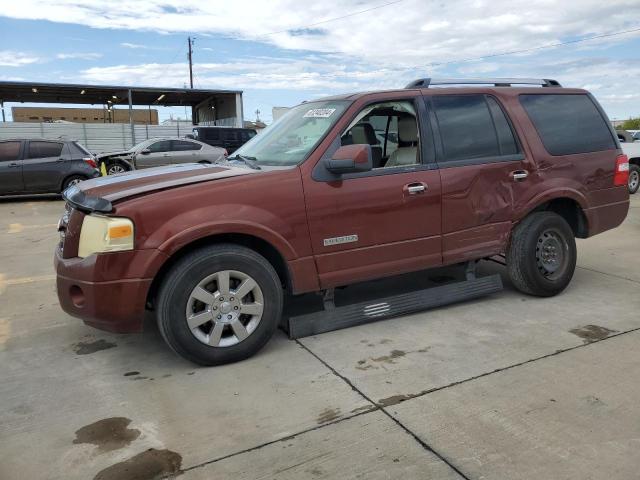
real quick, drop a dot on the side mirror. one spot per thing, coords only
(146, 151)
(350, 159)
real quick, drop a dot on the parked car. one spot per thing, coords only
(157, 152)
(632, 151)
(43, 166)
(625, 136)
(212, 251)
(224, 137)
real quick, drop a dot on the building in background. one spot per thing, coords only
(83, 115)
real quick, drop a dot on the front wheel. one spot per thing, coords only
(634, 178)
(542, 255)
(113, 168)
(219, 304)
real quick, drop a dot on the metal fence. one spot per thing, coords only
(97, 137)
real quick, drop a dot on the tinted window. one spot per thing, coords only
(161, 146)
(506, 140)
(211, 134)
(568, 124)
(77, 151)
(466, 127)
(182, 146)
(9, 151)
(44, 149)
(229, 135)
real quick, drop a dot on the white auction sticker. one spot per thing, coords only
(319, 113)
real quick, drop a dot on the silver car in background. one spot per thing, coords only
(156, 152)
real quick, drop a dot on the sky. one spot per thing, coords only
(281, 52)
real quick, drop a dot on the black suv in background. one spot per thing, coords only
(43, 166)
(225, 137)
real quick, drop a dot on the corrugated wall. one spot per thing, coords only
(96, 137)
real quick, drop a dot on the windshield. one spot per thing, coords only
(292, 137)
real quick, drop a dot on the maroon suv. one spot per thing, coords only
(342, 190)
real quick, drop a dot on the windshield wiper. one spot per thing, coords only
(250, 161)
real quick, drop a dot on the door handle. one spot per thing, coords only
(13, 164)
(519, 175)
(415, 188)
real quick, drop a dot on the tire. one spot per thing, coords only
(116, 167)
(634, 178)
(542, 255)
(204, 267)
(72, 180)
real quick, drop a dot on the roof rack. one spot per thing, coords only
(498, 82)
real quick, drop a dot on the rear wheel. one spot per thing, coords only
(634, 178)
(542, 256)
(219, 304)
(72, 180)
(116, 167)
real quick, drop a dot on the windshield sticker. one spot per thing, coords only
(319, 113)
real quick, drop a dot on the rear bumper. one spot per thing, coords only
(114, 305)
(606, 217)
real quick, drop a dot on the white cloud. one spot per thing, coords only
(79, 56)
(133, 45)
(9, 58)
(412, 32)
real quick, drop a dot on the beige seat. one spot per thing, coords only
(408, 135)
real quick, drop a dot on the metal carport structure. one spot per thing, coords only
(207, 106)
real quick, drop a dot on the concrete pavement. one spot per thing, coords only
(508, 386)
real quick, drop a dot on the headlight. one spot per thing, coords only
(105, 234)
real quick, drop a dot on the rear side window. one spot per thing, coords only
(44, 149)
(211, 134)
(230, 135)
(9, 151)
(472, 127)
(568, 124)
(182, 146)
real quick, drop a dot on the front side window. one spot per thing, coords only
(290, 139)
(9, 151)
(44, 149)
(568, 124)
(391, 129)
(161, 146)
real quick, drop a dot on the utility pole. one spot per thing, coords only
(190, 55)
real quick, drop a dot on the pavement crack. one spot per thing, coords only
(418, 440)
(608, 274)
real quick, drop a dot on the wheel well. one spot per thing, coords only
(571, 211)
(256, 244)
(64, 180)
(635, 161)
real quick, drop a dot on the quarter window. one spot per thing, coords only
(9, 151)
(568, 124)
(44, 149)
(472, 127)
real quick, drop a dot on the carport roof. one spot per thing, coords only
(33, 92)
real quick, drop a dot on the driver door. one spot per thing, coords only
(388, 220)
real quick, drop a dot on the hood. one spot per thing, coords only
(113, 154)
(96, 195)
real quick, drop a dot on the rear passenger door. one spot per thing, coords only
(483, 171)
(44, 167)
(184, 151)
(11, 167)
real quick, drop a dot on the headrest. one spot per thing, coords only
(407, 129)
(364, 133)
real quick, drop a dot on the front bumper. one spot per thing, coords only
(112, 305)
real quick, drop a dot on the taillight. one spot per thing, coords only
(91, 162)
(621, 174)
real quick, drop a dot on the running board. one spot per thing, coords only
(387, 307)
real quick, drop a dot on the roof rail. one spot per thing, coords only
(498, 82)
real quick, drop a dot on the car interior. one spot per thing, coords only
(391, 129)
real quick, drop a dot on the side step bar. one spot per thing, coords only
(366, 312)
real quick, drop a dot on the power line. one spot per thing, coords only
(532, 49)
(322, 22)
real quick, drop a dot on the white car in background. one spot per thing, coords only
(632, 151)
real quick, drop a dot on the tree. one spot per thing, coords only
(631, 124)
